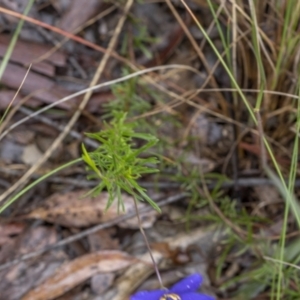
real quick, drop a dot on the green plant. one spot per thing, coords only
(117, 162)
(128, 99)
(118, 165)
(140, 40)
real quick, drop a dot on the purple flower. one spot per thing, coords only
(182, 290)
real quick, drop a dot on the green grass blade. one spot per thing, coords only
(14, 39)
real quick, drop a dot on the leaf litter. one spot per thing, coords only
(73, 209)
(78, 270)
(103, 257)
(19, 279)
(205, 141)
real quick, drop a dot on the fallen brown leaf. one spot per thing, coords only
(103, 240)
(72, 273)
(41, 87)
(23, 56)
(74, 210)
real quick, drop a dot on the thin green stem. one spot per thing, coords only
(14, 39)
(147, 243)
(291, 184)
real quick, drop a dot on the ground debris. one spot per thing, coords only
(73, 209)
(19, 279)
(72, 273)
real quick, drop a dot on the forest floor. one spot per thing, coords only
(212, 86)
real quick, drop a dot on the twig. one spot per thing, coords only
(6, 118)
(241, 182)
(211, 184)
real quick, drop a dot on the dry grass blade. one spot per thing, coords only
(4, 121)
(197, 50)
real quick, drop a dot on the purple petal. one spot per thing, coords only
(147, 295)
(188, 284)
(195, 296)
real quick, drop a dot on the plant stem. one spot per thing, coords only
(147, 244)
